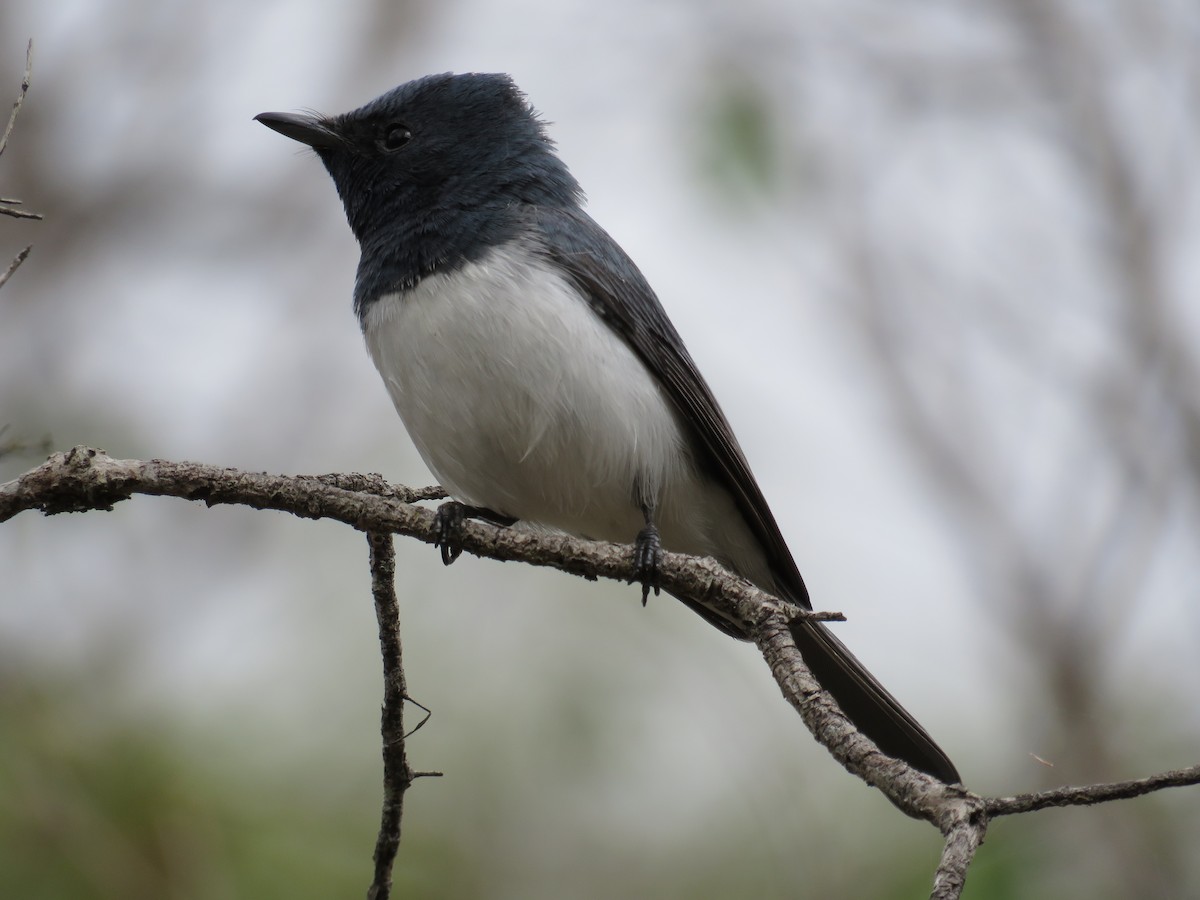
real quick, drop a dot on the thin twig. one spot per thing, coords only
(9, 206)
(397, 776)
(13, 212)
(16, 108)
(12, 266)
(1092, 793)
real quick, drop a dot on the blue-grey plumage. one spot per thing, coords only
(533, 366)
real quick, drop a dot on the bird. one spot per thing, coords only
(537, 372)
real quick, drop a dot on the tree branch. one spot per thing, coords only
(10, 206)
(12, 266)
(398, 776)
(913, 792)
(16, 107)
(964, 830)
(1091, 794)
(85, 479)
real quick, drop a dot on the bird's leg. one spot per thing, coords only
(647, 554)
(448, 520)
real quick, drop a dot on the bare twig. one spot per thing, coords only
(917, 794)
(15, 213)
(16, 107)
(397, 775)
(10, 206)
(85, 479)
(1091, 794)
(964, 829)
(12, 266)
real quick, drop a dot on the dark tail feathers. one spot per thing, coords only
(874, 711)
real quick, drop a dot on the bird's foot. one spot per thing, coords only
(647, 560)
(448, 520)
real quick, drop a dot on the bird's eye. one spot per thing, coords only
(395, 136)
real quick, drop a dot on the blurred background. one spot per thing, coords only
(934, 260)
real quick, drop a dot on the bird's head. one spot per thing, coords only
(425, 153)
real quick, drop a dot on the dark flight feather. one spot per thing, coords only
(619, 293)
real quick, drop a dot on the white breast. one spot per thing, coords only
(520, 399)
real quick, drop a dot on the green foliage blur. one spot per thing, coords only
(99, 808)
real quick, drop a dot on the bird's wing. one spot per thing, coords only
(619, 294)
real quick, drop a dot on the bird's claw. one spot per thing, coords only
(647, 561)
(448, 521)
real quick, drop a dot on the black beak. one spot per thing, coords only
(305, 129)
